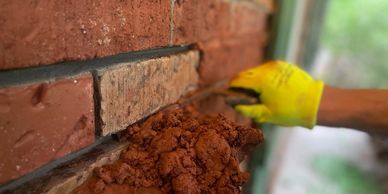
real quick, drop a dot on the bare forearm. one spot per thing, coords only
(365, 110)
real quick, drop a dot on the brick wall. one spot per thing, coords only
(74, 72)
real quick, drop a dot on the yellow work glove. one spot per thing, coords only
(289, 96)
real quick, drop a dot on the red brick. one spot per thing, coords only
(247, 18)
(44, 121)
(101, 28)
(199, 20)
(42, 32)
(31, 33)
(222, 59)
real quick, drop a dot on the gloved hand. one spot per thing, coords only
(289, 96)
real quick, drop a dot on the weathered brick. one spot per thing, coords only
(68, 176)
(133, 91)
(44, 121)
(199, 20)
(222, 59)
(43, 32)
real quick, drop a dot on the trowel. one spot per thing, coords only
(238, 96)
(233, 96)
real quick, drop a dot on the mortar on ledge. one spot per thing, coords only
(178, 151)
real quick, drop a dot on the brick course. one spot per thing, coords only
(133, 91)
(44, 32)
(44, 121)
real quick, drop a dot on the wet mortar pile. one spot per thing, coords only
(178, 151)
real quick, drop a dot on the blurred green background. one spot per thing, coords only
(356, 34)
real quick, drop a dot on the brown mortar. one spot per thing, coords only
(178, 151)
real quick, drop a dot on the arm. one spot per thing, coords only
(366, 110)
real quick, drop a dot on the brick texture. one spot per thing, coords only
(42, 122)
(247, 18)
(133, 91)
(42, 32)
(198, 20)
(203, 20)
(222, 59)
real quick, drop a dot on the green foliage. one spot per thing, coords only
(358, 29)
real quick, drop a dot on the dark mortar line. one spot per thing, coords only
(72, 68)
(97, 103)
(40, 172)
